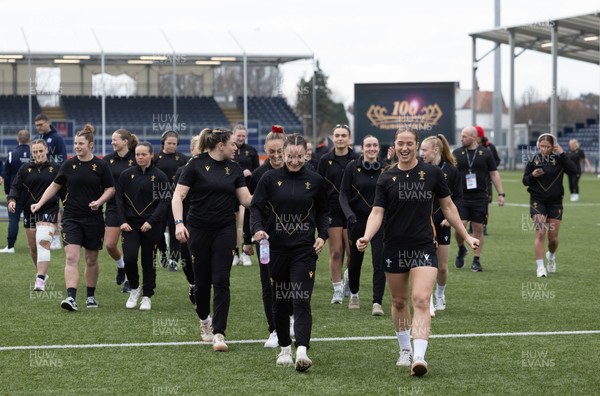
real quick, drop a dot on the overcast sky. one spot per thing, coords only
(355, 42)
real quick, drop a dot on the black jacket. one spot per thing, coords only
(290, 207)
(30, 183)
(332, 168)
(57, 150)
(357, 191)
(142, 196)
(549, 186)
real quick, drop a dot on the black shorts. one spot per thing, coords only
(337, 219)
(475, 211)
(111, 217)
(443, 235)
(551, 210)
(87, 232)
(403, 260)
(48, 216)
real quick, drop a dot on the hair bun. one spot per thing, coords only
(88, 128)
(277, 129)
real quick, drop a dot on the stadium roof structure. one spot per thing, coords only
(153, 46)
(574, 37)
(125, 44)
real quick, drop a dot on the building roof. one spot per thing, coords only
(575, 36)
(485, 103)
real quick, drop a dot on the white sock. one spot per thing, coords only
(301, 350)
(404, 340)
(354, 295)
(120, 263)
(440, 290)
(420, 348)
(56, 237)
(337, 285)
(550, 254)
(540, 263)
(207, 320)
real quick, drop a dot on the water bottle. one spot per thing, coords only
(265, 251)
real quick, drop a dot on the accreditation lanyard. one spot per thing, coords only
(471, 177)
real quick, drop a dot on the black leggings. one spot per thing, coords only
(293, 275)
(186, 262)
(211, 252)
(174, 245)
(132, 242)
(574, 183)
(267, 293)
(355, 231)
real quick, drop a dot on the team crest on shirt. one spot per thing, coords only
(480, 152)
(130, 162)
(310, 274)
(51, 169)
(247, 153)
(111, 161)
(279, 183)
(152, 178)
(176, 158)
(393, 178)
(193, 259)
(207, 167)
(132, 175)
(534, 205)
(94, 166)
(358, 170)
(29, 170)
(446, 176)
(330, 162)
(307, 184)
(421, 175)
(74, 166)
(160, 157)
(227, 170)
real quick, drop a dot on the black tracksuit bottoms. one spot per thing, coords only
(267, 293)
(293, 278)
(356, 231)
(147, 241)
(211, 253)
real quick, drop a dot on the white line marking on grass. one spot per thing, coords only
(326, 339)
(519, 205)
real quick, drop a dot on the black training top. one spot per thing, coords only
(31, 182)
(186, 201)
(576, 156)
(85, 182)
(332, 168)
(407, 198)
(256, 175)
(480, 162)
(213, 185)
(289, 207)
(549, 186)
(247, 157)
(142, 196)
(357, 190)
(117, 165)
(455, 184)
(169, 163)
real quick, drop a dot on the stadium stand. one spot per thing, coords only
(14, 109)
(271, 110)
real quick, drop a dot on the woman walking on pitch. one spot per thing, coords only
(89, 185)
(357, 193)
(578, 157)
(274, 150)
(29, 185)
(544, 180)
(123, 157)
(435, 150)
(404, 197)
(142, 200)
(288, 207)
(331, 167)
(215, 184)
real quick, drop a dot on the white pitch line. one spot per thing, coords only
(519, 205)
(326, 339)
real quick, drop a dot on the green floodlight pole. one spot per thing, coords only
(29, 73)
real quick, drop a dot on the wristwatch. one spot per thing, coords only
(500, 195)
(178, 221)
